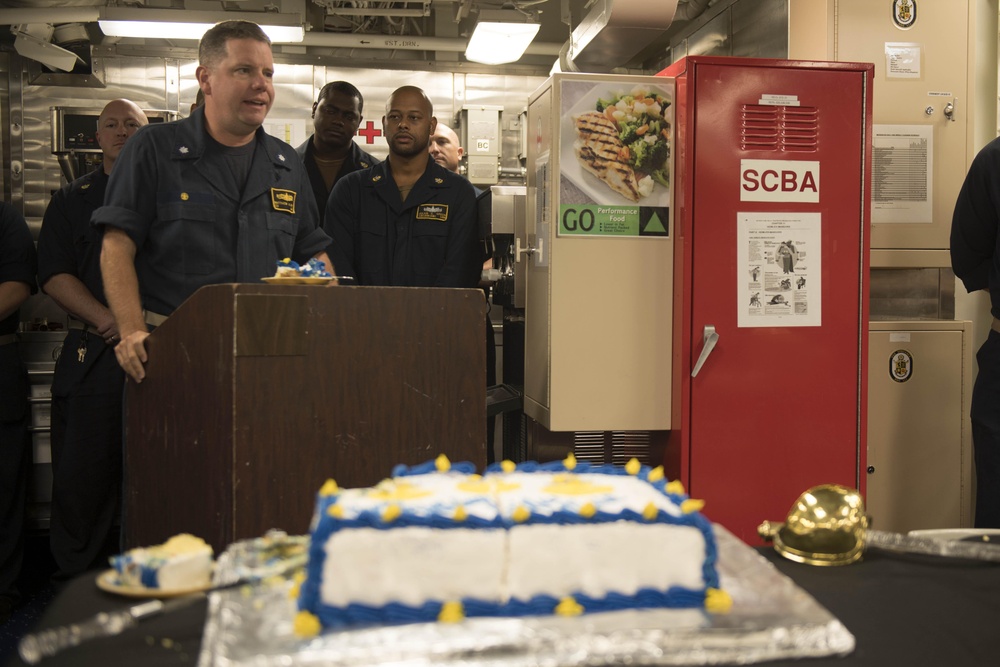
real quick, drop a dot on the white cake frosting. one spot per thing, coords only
(526, 540)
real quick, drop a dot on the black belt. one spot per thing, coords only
(7, 339)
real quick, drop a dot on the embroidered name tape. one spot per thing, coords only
(432, 212)
(283, 200)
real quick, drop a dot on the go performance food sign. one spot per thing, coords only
(615, 140)
(599, 220)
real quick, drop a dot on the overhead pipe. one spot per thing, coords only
(409, 43)
(48, 15)
(312, 38)
(377, 11)
(690, 9)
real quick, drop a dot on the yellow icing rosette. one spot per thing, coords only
(633, 467)
(692, 505)
(718, 601)
(452, 612)
(306, 624)
(568, 607)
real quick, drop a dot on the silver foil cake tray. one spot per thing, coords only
(771, 618)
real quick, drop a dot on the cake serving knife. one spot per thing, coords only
(248, 561)
(36, 646)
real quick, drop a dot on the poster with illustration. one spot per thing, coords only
(615, 162)
(778, 270)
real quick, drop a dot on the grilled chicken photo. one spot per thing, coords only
(602, 153)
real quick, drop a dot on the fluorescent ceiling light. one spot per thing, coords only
(177, 24)
(500, 37)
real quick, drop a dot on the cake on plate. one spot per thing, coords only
(183, 562)
(439, 542)
(288, 268)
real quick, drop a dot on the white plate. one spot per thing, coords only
(108, 581)
(569, 164)
(297, 280)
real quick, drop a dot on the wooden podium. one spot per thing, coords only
(256, 394)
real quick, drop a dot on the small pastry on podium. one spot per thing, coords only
(291, 272)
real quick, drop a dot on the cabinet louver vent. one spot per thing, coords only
(779, 128)
(617, 447)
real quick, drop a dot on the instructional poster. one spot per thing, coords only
(902, 173)
(778, 270)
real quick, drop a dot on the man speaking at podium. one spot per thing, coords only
(205, 200)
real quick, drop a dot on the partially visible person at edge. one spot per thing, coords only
(407, 221)
(17, 282)
(331, 152)
(445, 147)
(86, 430)
(204, 200)
(975, 258)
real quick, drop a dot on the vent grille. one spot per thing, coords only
(617, 447)
(779, 128)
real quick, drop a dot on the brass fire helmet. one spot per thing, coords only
(825, 526)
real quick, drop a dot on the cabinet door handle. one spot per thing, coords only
(709, 340)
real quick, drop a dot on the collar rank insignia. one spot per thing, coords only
(281, 157)
(283, 200)
(185, 196)
(183, 150)
(439, 180)
(437, 212)
(376, 178)
(364, 165)
(85, 186)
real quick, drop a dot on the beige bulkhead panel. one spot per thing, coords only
(922, 80)
(599, 308)
(920, 378)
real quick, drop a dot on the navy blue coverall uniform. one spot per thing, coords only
(172, 192)
(356, 160)
(429, 240)
(87, 387)
(17, 263)
(975, 258)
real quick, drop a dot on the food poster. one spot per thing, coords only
(616, 139)
(778, 270)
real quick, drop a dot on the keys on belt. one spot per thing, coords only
(81, 349)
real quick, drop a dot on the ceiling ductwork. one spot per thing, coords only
(614, 31)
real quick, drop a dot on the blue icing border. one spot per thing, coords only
(541, 605)
(149, 571)
(309, 592)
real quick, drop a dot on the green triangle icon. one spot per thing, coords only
(654, 225)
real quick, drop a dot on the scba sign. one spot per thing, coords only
(779, 180)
